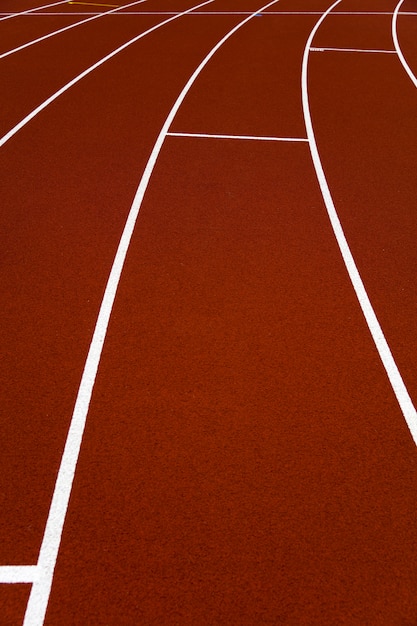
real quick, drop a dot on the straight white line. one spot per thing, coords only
(397, 383)
(353, 13)
(62, 30)
(38, 600)
(74, 81)
(72, 13)
(360, 50)
(11, 574)
(335, 13)
(207, 13)
(361, 13)
(66, 14)
(269, 13)
(243, 137)
(30, 11)
(397, 46)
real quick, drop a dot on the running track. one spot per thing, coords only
(211, 232)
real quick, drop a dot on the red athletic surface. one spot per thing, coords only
(245, 460)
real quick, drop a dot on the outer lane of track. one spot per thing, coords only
(376, 200)
(169, 504)
(61, 59)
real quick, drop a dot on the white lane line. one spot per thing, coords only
(360, 50)
(30, 11)
(242, 137)
(74, 81)
(39, 596)
(65, 28)
(353, 13)
(269, 13)
(395, 378)
(335, 13)
(73, 13)
(11, 574)
(205, 13)
(397, 46)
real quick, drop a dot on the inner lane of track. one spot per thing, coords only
(241, 420)
(224, 386)
(61, 224)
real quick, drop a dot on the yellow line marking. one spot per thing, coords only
(94, 4)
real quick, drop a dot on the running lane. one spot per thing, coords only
(31, 75)
(68, 181)
(367, 139)
(245, 460)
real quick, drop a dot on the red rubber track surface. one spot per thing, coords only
(245, 460)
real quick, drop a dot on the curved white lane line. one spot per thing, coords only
(65, 28)
(28, 11)
(38, 600)
(398, 47)
(90, 69)
(397, 383)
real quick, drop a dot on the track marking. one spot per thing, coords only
(62, 30)
(18, 574)
(75, 13)
(74, 81)
(354, 13)
(243, 137)
(39, 596)
(397, 46)
(206, 13)
(94, 4)
(397, 383)
(29, 11)
(360, 50)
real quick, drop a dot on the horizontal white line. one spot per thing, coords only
(269, 13)
(61, 14)
(361, 13)
(335, 13)
(18, 573)
(352, 50)
(291, 13)
(244, 137)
